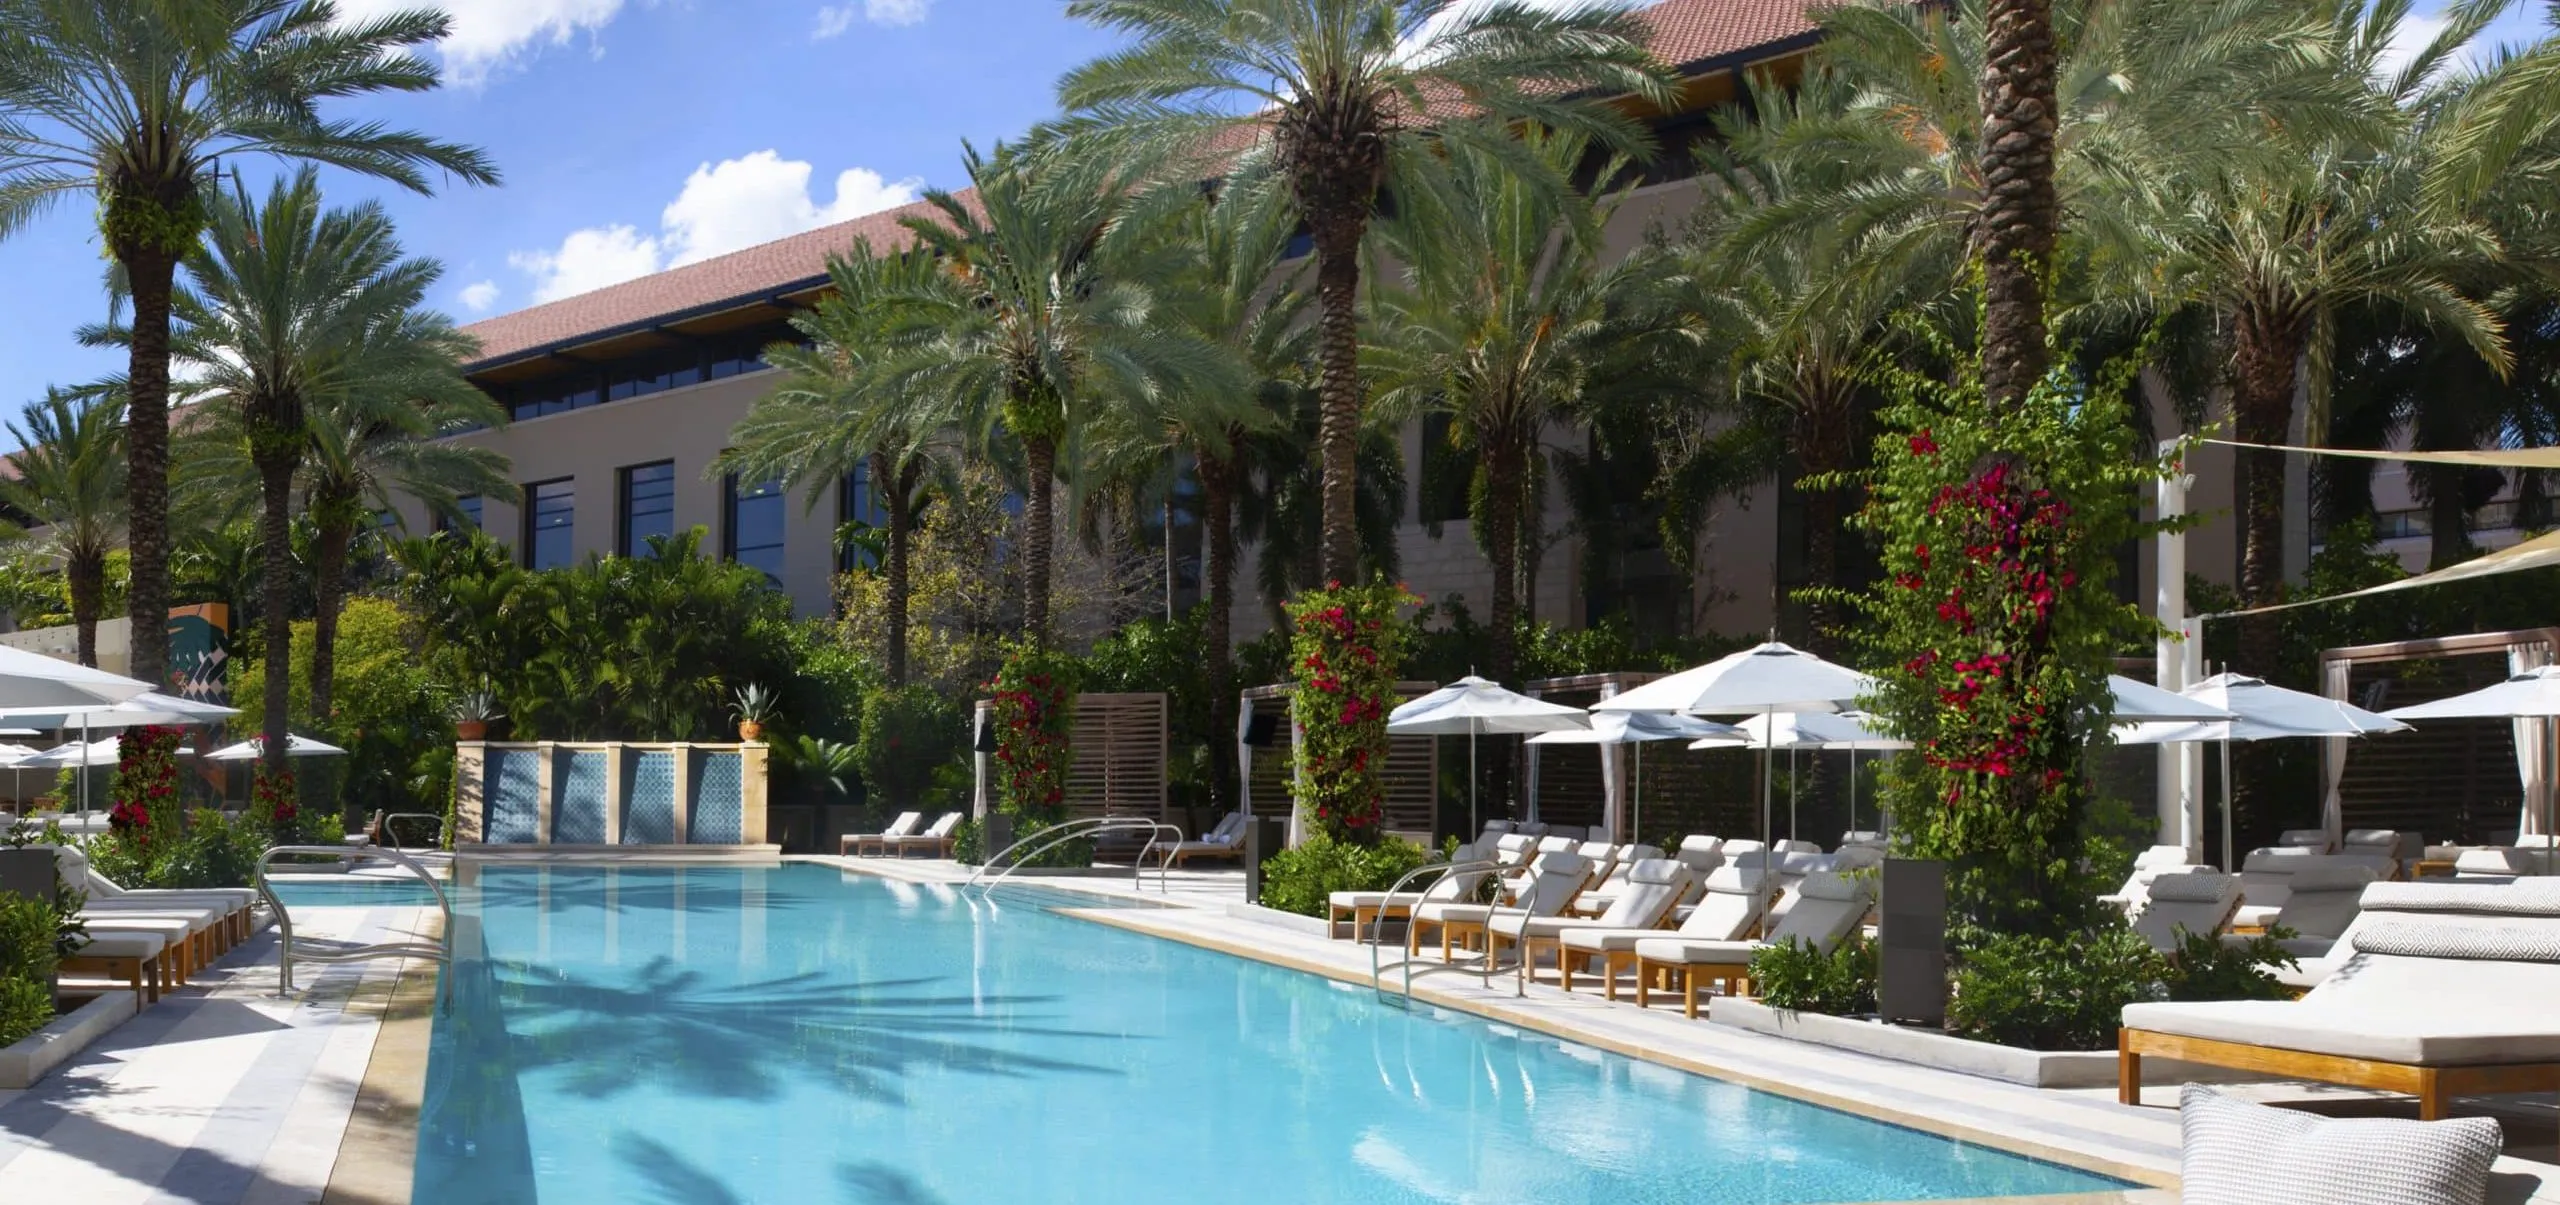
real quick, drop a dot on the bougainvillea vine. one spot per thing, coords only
(1345, 646)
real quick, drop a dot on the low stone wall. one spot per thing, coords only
(31, 1057)
(1930, 1048)
(596, 793)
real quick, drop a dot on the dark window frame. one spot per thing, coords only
(532, 517)
(623, 479)
(730, 549)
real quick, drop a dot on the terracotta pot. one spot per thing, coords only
(749, 730)
(470, 730)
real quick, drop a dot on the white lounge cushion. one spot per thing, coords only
(121, 944)
(2236, 1152)
(1830, 907)
(1694, 952)
(1736, 899)
(1653, 886)
(2195, 902)
(2437, 1038)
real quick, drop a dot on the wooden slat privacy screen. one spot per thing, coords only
(1413, 764)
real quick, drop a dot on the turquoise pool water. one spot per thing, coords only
(717, 1036)
(353, 892)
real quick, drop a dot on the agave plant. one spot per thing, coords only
(756, 707)
(478, 705)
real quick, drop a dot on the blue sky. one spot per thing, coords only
(636, 134)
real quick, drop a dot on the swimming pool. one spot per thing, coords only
(352, 891)
(717, 1035)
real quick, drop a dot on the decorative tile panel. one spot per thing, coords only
(515, 802)
(719, 811)
(577, 812)
(649, 812)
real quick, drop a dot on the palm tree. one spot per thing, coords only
(1340, 98)
(1509, 314)
(71, 481)
(135, 102)
(286, 305)
(1014, 321)
(378, 439)
(2020, 212)
(1222, 282)
(830, 414)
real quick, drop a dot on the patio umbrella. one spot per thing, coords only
(1635, 728)
(1765, 680)
(32, 680)
(1849, 731)
(10, 756)
(100, 752)
(2143, 702)
(2260, 711)
(1471, 707)
(295, 746)
(140, 710)
(2533, 694)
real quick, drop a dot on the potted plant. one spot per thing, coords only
(756, 708)
(472, 712)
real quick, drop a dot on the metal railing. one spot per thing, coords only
(441, 951)
(1050, 838)
(441, 826)
(1387, 903)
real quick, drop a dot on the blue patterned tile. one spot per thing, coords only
(577, 813)
(515, 797)
(649, 812)
(720, 810)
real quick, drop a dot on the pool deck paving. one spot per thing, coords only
(224, 1093)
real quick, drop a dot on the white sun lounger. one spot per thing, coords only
(2199, 902)
(935, 841)
(1362, 907)
(1831, 907)
(2432, 1008)
(1736, 902)
(1555, 879)
(1226, 840)
(1654, 887)
(862, 843)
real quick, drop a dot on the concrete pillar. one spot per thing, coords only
(470, 790)
(549, 774)
(752, 763)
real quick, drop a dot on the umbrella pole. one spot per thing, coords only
(1792, 795)
(2226, 808)
(1635, 827)
(1474, 824)
(1768, 773)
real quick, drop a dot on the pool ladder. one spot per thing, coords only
(1377, 969)
(440, 951)
(441, 827)
(1050, 838)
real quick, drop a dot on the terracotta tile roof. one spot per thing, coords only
(1688, 32)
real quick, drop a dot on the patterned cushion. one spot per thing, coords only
(2233, 1152)
(2491, 943)
(2203, 887)
(2528, 897)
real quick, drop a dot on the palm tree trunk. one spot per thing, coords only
(1338, 395)
(900, 500)
(1503, 479)
(1825, 439)
(149, 273)
(1217, 633)
(86, 574)
(275, 534)
(2448, 525)
(1040, 457)
(328, 588)
(2265, 351)
(2018, 209)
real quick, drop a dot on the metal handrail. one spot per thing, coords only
(442, 826)
(1050, 838)
(442, 951)
(1377, 972)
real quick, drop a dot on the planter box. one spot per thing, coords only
(27, 872)
(1930, 1048)
(23, 1064)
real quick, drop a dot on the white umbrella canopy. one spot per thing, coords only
(295, 745)
(1471, 707)
(100, 752)
(1851, 732)
(1763, 679)
(140, 711)
(2259, 711)
(2141, 702)
(32, 680)
(2533, 694)
(1635, 728)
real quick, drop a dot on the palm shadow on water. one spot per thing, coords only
(670, 1179)
(742, 1041)
(636, 891)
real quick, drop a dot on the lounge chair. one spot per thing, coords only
(1555, 879)
(1516, 881)
(2267, 877)
(1624, 859)
(2421, 1005)
(2148, 865)
(1789, 845)
(1225, 840)
(1735, 902)
(1831, 908)
(2433, 901)
(1654, 887)
(231, 908)
(131, 958)
(2197, 901)
(1792, 868)
(1361, 908)
(1859, 837)
(935, 841)
(857, 844)
(2314, 839)
(2493, 864)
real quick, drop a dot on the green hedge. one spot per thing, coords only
(1300, 880)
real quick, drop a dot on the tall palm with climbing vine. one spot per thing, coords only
(136, 103)
(1338, 98)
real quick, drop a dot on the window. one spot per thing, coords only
(857, 503)
(644, 375)
(754, 528)
(465, 516)
(1448, 472)
(648, 506)
(550, 518)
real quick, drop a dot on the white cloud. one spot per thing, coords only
(486, 34)
(588, 259)
(894, 12)
(724, 206)
(761, 197)
(833, 20)
(2413, 35)
(478, 296)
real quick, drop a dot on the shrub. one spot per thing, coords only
(908, 734)
(2054, 993)
(1034, 715)
(1346, 644)
(2208, 968)
(1300, 880)
(28, 959)
(1794, 975)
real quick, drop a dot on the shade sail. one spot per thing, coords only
(2533, 693)
(2501, 458)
